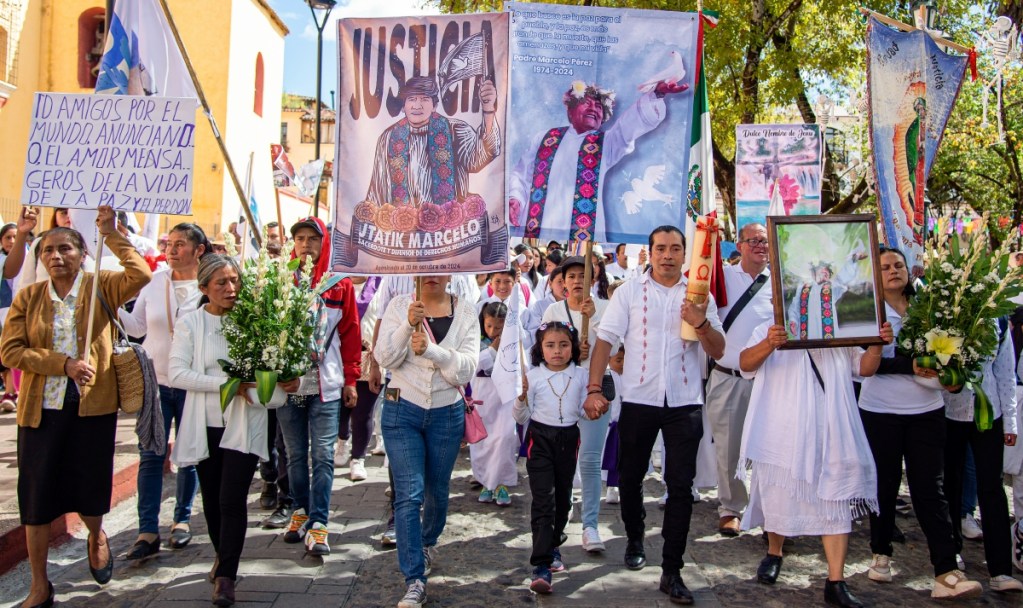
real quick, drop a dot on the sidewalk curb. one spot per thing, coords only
(12, 543)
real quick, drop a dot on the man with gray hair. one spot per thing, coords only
(426, 157)
(749, 305)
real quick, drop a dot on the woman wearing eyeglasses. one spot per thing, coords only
(431, 346)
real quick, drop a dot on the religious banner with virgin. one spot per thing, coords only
(912, 86)
(780, 163)
(600, 121)
(419, 179)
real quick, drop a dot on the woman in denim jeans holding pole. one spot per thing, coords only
(171, 294)
(431, 346)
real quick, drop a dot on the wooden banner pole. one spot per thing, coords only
(905, 27)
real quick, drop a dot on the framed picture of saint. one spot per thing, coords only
(826, 279)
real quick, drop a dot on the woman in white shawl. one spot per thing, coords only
(812, 471)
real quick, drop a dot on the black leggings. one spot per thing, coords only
(361, 419)
(225, 478)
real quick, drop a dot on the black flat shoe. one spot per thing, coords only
(635, 556)
(179, 538)
(837, 593)
(104, 574)
(677, 591)
(143, 550)
(49, 600)
(770, 567)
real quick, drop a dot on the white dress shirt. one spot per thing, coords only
(756, 312)
(646, 317)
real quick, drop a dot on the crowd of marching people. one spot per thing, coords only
(801, 442)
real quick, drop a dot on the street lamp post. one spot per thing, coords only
(326, 6)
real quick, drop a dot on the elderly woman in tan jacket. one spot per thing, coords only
(67, 409)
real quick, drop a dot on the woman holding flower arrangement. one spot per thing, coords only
(431, 346)
(905, 420)
(225, 444)
(955, 326)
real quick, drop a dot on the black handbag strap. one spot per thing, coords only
(743, 300)
(816, 371)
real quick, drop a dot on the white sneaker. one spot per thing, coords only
(341, 454)
(316, 540)
(954, 584)
(357, 470)
(960, 563)
(1003, 583)
(591, 541)
(880, 569)
(663, 500)
(612, 497)
(415, 597)
(378, 448)
(971, 529)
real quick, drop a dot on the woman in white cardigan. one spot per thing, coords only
(224, 446)
(431, 347)
(172, 294)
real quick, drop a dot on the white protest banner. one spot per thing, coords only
(133, 153)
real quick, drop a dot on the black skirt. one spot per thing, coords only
(66, 464)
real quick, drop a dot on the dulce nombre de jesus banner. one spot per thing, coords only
(600, 119)
(419, 164)
(133, 153)
(789, 157)
(912, 86)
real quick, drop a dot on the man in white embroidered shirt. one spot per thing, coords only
(728, 392)
(662, 391)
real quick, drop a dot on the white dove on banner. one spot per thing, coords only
(673, 74)
(644, 190)
(463, 61)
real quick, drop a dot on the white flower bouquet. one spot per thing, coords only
(269, 329)
(951, 324)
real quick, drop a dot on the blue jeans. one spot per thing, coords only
(969, 506)
(311, 426)
(422, 446)
(592, 435)
(150, 477)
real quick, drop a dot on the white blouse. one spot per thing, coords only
(197, 346)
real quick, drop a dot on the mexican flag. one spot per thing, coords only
(700, 195)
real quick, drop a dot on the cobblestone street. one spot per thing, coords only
(482, 561)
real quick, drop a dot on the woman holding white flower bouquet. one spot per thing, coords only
(225, 444)
(955, 326)
(905, 421)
